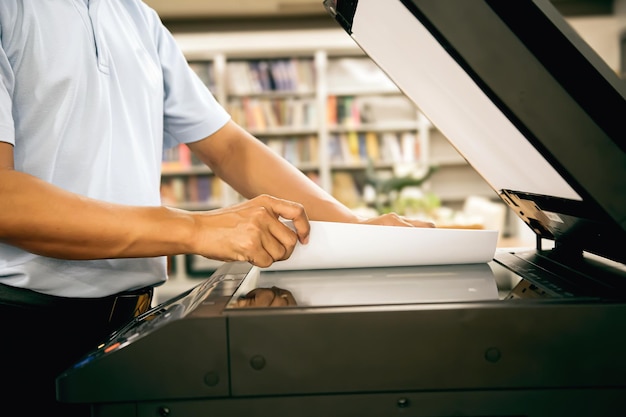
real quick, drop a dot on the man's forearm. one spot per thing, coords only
(44, 219)
(268, 173)
(252, 168)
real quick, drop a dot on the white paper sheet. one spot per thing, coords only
(346, 245)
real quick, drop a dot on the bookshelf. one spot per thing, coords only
(314, 98)
(275, 100)
(311, 96)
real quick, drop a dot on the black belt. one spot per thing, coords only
(114, 310)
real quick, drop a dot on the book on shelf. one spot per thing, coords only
(351, 110)
(343, 111)
(176, 158)
(331, 110)
(256, 76)
(295, 149)
(204, 71)
(345, 189)
(239, 79)
(410, 147)
(372, 146)
(290, 151)
(361, 147)
(192, 189)
(260, 114)
(263, 69)
(180, 159)
(253, 112)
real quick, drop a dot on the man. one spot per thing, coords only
(91, 91)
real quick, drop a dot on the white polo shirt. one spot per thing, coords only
(91, 91)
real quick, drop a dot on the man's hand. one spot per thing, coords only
(393, 219)
(267, 297)
(251, 231)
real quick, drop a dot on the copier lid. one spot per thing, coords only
(521, 96)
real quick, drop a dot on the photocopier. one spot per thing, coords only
(534, 332)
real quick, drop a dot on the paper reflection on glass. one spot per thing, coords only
(379, 286)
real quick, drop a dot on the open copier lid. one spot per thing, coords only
(522, 98)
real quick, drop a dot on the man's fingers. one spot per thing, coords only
(274, 242)
(294, 212)
(267, 297)
(420, 223)
(390, 219)
(393, 219)
(285, 295)
(281, 242)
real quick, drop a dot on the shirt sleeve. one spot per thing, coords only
(191, 112)
(7, 82)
